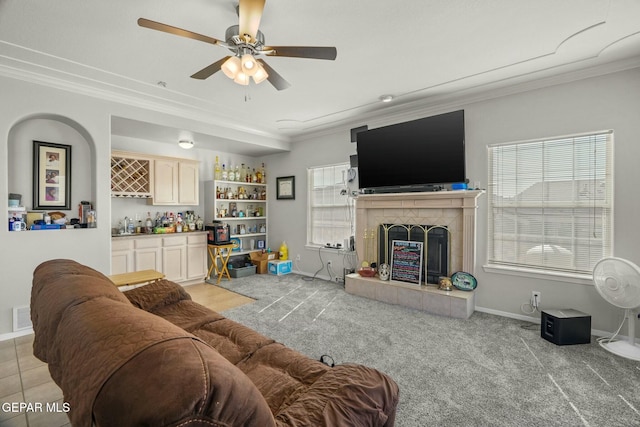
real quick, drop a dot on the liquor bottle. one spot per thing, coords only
(217, 172)
(148, 225)
(237, 173)
(254, 177)
(224, 174)
(243, 173)
(259, 176)
(264, 174)
(231, 175)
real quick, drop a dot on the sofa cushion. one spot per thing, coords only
(156, 295)
(234, 341)
(180, 383)
(304, 392)
(60, 284)
(281, 374)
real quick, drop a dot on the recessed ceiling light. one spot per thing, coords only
(386, 98)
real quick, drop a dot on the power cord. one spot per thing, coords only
(310, 279)
(533, 308)
(611, 338)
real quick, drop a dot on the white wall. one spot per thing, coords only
(287, 220)
(31, 111)
(605, 102)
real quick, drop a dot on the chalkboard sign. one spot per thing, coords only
(406, 261)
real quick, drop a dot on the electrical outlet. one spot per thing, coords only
(535, 298)
(298, 257)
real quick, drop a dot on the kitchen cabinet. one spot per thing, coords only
(181, 257)
(176, 182)
(165, 182)
(244, 209)
(121, 256)
(162, 180)
(174, 258)
(196, 256)
(188, 183)
(147, 255)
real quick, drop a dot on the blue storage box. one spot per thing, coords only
(279, 268)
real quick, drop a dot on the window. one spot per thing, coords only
(330, 207)
(551, 203)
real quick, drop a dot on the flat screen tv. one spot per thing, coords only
(412, 156)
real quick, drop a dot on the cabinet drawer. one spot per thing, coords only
(149, 242)
(198, 239)
(174, 241)
(121, 245)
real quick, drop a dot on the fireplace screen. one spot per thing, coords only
(436, 246)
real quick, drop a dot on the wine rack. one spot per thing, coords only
(131, 177)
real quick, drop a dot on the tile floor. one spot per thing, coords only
(24, 378)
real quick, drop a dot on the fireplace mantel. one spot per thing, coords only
(455, 209)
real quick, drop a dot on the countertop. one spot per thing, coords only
(152, 235)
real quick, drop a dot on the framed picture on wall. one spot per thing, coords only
(286, 187)
(51, 175)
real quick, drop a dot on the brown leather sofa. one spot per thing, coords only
(151, 356)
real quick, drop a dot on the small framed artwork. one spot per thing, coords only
(51, 176)
(286, 188)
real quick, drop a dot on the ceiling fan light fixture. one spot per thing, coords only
(241, 78)
(249, 64)
(231, 67)
(185, 143)
(260, 75)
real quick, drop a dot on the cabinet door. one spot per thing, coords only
(148, 259)
(165, 185)
(196, 261)
(188, 183)
(174, 263)
(121, 261)
(121, 256)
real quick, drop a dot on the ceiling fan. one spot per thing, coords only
(246, 42)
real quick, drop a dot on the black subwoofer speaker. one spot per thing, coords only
(565, 326)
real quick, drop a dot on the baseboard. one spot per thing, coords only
(12, 335)
(594, 332)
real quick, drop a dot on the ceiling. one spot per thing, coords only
(419, 51)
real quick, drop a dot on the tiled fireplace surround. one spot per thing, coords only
(454, 209)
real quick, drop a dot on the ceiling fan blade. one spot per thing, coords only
(250, 12)
(147, 23)
(274, 78)
(313, 52)
(207, 72)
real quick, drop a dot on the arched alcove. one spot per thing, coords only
(57, 129)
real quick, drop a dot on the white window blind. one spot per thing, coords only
(551, 203)
(329, 205)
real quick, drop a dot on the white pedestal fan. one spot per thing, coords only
(617, 280)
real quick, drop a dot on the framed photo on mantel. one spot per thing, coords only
(286, 188)
(51, 176)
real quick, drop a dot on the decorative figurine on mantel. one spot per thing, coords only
(384, 272)
(444, 284)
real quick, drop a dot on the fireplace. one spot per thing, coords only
(435, 249)
(454, 212)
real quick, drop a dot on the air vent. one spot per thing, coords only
(21, 318)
